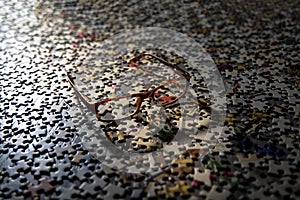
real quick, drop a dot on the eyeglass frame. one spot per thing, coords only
(93, 107)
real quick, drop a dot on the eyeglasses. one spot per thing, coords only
(128, 105)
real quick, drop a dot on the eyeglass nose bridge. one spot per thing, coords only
(140, 99)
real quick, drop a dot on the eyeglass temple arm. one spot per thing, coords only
(91, 106)
(180, 71)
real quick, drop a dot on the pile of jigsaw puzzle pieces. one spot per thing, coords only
(255, 46)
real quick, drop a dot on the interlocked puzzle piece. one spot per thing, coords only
(146, 144)
(44, 185)
(203, 177)
(171, 191)
(182, 165)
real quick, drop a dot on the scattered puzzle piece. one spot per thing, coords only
(43, 186)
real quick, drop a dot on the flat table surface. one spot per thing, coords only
(254, 44)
